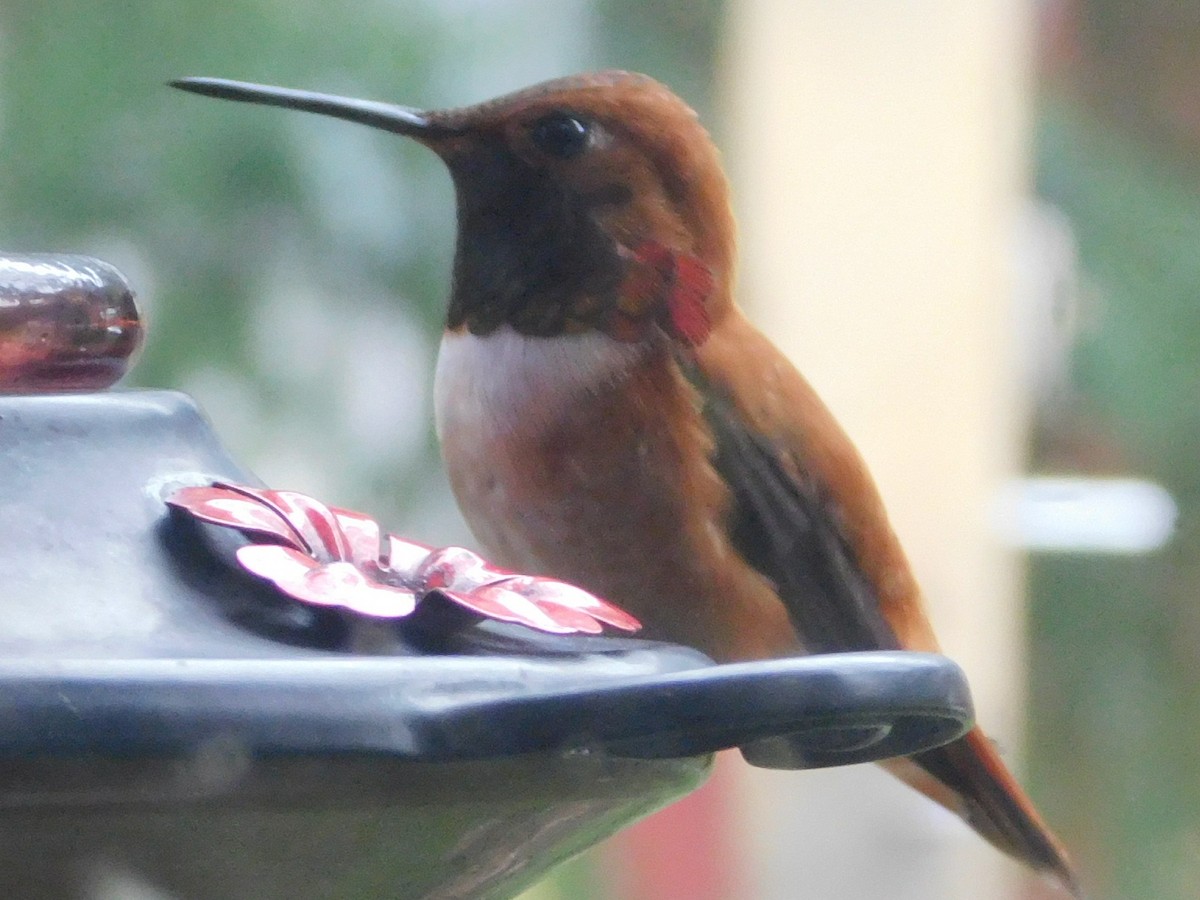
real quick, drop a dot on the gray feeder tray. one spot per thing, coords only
(172, 726)
(167, 719)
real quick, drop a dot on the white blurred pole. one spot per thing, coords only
(878, 155)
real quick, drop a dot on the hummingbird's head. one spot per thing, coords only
(593, 202)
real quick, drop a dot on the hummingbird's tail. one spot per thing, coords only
(968, 777)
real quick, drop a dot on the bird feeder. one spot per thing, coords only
(320, 715)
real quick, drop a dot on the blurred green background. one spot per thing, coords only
(293, 272)
(1116, 642)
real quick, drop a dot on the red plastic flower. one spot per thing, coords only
(327, 556)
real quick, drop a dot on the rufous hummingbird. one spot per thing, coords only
(609, 416)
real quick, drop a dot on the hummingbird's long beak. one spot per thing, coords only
(399, 119)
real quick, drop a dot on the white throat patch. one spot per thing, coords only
(499, 381)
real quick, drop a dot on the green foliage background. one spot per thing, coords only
(1116, 640)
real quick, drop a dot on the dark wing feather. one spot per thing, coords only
(786, 529)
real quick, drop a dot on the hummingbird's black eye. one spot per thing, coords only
(560, 135)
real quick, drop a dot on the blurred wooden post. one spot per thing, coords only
(878, 154)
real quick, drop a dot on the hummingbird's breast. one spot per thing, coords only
(586, 459)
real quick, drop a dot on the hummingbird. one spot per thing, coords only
(608, 415)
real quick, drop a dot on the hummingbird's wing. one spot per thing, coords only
(784, 526)
(805, 513)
